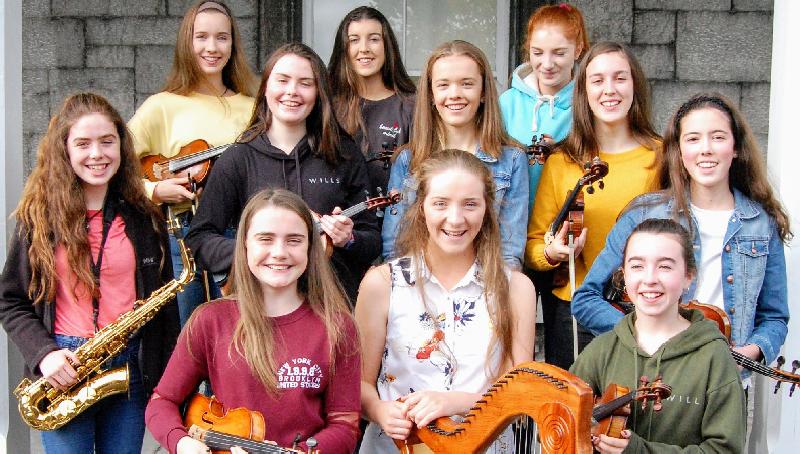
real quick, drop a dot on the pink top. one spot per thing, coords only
(309, 399)
(117, 281)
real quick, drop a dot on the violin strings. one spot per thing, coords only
(755, 366)
(251, 445)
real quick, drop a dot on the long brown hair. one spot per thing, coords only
(428, 134)
(748, 173)
(413, 240)
(581, 144)
(567, 17)
(52, 208)
(253, 337)
(186, 75)
(345, 82)
(322, 128)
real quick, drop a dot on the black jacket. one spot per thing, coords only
(30, 326)
(246, 168)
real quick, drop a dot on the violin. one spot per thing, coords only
(193, 160)
(572, 211)
(220, 429)
(538, 150)
(718, 316)
(609, 411)
(384, 156)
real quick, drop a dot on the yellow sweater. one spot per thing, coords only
(165, 122)
(628, 177)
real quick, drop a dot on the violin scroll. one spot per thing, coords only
(538, 150)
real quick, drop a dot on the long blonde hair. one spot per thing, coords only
(428, 133)
(413, 241)
(186, 75)
(253, 337)
(52, 209)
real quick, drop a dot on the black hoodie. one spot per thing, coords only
(246, 168)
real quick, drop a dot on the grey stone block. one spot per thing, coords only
(755, 106)
(607, 20)
(152, 66)
(135, 8)
(248, 28)
(80, 8)
(753, 5)
(35, 112)
(724, 46)
(35, 81)
(38, 43)
(239, 8)
(70, 43)
(110, 57)
(658, 61)
(115, 84)
(30, 143)
(36, 8)
(763, 140)
(687, 5)
(668, 95)
(139, 30)
(654, 27)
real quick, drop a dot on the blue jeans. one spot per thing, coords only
(112, 425)
(193, 294)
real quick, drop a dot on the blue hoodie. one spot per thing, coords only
(526, 113)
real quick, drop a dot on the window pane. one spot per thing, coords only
(432, 23)
(327, 16)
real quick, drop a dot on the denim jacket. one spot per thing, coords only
(510, 173)
(753, 273)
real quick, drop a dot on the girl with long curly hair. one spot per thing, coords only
(208, 96)
(87, 245)
(283, 344)
(443, 320)
(372, 93)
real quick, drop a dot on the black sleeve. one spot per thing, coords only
(220, 204)
(17, 315)
(366, 228)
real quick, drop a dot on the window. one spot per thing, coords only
(420, 26)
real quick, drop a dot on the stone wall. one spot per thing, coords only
(123, 48)
(688, 46)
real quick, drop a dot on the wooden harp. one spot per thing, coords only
(559, 402)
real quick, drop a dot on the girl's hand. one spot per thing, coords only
(172, 190)
(751, 351)
(610, 445)
(57, 368)
(237, 450)
(188, 445)
(338, 227)
(392, 417)
(425, 406)
(558, 251)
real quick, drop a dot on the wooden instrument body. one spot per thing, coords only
(539, 150)
(559, 402)
(209, 414)
(156, 167)
(614, 424)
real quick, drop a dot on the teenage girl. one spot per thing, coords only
(539, 101)
(372, 93)
(88, 244)
(207, 96)
(705, 412)
(458, 109)
(611, 120)
(439, 323)
(285, 344)
(293, 141)
(714, 182)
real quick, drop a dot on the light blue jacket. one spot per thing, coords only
(511, 197)
(526, 113)
(753, 273)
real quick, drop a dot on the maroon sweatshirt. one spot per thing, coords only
(308, 393)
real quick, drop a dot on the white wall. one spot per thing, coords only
(783, 412)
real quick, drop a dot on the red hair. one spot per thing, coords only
(566, 16)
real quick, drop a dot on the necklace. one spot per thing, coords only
(89, 218)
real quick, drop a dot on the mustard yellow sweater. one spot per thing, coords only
(628, 176)
(165, 122)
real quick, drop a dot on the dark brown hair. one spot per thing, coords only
(667, 227)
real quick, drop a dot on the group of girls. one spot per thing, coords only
(449, 310)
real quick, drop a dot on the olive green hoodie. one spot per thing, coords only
(706, 412)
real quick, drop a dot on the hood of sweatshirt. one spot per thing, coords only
(561, 100)
(290, 164)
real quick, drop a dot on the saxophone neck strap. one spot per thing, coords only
(109, 212)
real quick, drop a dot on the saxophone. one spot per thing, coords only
(44, 407)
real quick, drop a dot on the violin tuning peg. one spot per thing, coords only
(590, 189)
(393, 210)
(601, 184)
(379, 191)
(385, 146)
(795, 365)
